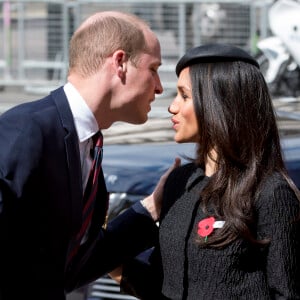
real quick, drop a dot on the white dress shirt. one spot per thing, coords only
(86, 126)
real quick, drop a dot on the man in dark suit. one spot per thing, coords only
(45, 162)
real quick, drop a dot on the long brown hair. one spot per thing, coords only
(235, 118)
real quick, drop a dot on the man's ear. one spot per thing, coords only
(120, 61)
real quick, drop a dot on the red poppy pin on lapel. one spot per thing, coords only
(207, 225)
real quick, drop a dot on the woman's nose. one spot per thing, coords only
(173, 108)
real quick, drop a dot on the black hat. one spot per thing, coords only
(214, 53)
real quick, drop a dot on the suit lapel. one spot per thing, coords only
(73, 157)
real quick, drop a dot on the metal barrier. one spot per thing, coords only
(35, 34)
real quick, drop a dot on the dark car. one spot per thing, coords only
(132, 171)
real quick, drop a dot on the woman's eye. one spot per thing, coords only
(184, 96)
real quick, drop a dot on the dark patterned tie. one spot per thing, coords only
(90, 194)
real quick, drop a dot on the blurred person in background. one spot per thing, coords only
(52, 229)
(229, 225)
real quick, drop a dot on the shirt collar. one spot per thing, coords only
(85, 122)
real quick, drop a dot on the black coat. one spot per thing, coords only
(181, 269)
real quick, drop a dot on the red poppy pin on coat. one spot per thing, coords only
(207, 225)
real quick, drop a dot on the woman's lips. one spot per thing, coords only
(175, 123)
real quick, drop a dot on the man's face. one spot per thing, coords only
(141, 84)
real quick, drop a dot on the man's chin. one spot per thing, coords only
(135, 118)
(140, 121)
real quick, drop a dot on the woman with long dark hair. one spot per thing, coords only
(229, 226)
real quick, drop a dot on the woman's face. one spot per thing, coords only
(184, 117)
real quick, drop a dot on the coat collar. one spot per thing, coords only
(195, 177)
(72, 155)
